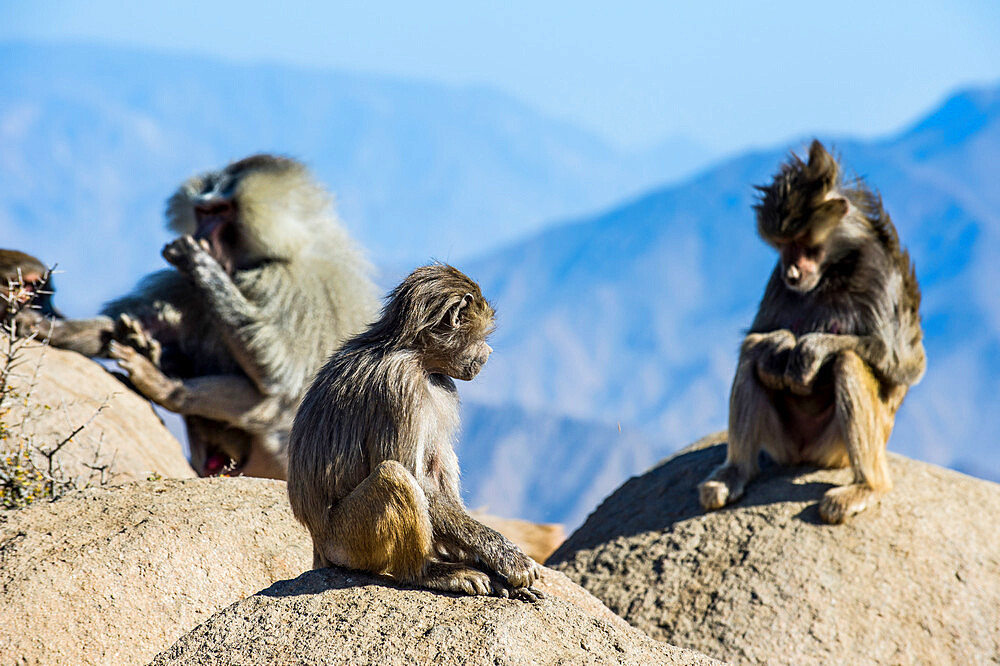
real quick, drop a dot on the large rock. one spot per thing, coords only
(58, 391)
(915, 579)
(115, 575)
(332, 616)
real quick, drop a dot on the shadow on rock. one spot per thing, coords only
(668, 494)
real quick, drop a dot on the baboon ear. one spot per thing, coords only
(456, 310)
(836, 207)
(821, 165)
(817, 154)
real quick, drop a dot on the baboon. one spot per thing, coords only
(265, 284)
(836, 342)
(27, 279)
(371, 469)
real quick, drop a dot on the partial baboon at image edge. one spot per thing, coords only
(836, 342)
(31, 279)
(372, 472)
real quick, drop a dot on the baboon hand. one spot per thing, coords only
(185, 253)
(130, 332)
(772, 351)
(145, 376)
(806, 360)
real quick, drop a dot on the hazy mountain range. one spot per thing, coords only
(634, 315)
(617, 331)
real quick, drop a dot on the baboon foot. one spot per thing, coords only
(507, 591)
(724, 486)
(519, 570)
(840, 503)
(458, 578)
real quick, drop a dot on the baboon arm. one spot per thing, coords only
(461, 533)
(232, 399)
(452, 523)
(779, 338)
(894, 362)
(246, 336)
(89, 337)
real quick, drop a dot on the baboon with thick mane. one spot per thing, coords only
(264, 284)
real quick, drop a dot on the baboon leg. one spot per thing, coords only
(458, 532)
(865, 422)
(753, 422)
(382, 526)
(231, 399)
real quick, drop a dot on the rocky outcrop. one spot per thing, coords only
(118, 574)
(58, 391)
(915, 579)
(115, 575)
(331, 616)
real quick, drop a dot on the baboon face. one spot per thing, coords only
(25, 279)
(801, 264)
(216, 216)
(467, 363)
(802, 215)
(21, 288)
(253, 210)
(468, 323)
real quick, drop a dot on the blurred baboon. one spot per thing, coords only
(836, 342)
(265, 284)
(371, 468)
(27, 279)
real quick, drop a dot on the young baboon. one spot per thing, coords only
(265, 284)
(32, 283)
(836, 342)
(371, 469)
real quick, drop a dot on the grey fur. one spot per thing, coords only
(239, 341)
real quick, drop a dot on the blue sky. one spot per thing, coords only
(728, 74)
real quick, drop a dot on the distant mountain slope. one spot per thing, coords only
(545, 467)
(93, 139)
(635, 315)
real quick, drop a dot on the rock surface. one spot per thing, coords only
(915, 579)
(332, 616)
(115, 575)
(68, 390)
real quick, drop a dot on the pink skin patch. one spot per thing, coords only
(215, 464)
(214, 224)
